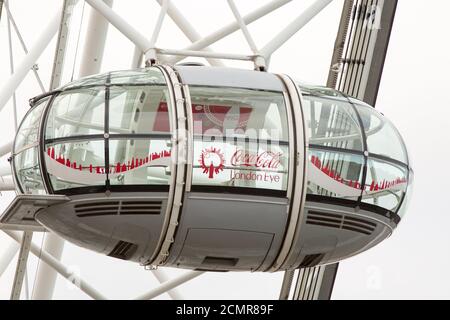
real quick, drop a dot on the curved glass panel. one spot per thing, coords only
(330, 121)
(28, 133)
(386, 184)
(147, 76)
(26, 151)
(94, 80)
(409, 192)
(382, 137)
(139, 110)
(139, 162)
(28, 172)
(77, 112)
(240, 138)
(76, 164)
(335, 174)
(110, 135)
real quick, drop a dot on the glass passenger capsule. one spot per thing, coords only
(210, 169)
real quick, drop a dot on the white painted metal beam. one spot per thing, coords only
(7, 184)
(21, 265)
(60, 268)
(243, 26)
(94, 47)
(122, 25)
(187, 28)
(205, 54)
(232, 27)
(163, 278)
(169, 285)
(6, 148)
(10, 85)
(8, 256)
(294, 27)
(22, 43)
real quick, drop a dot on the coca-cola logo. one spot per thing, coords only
(264, 160)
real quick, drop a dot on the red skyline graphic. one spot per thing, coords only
(374, 186)
(118, 167)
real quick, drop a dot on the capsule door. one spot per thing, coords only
(236, 206)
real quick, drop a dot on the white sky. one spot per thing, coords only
(413, 263)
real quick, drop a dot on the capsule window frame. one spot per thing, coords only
(282, 193)
(367, 155)
(106, 136)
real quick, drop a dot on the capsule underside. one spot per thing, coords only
(213, 169)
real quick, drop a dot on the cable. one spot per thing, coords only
(78, 41)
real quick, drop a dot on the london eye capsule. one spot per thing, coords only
(209, 169)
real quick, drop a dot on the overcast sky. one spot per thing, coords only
(413, 263)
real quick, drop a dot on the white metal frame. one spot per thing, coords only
(153, 54)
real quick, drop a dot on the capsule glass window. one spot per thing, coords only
(26, 152)
(77, 112)
(240, 138)
(331, 121)
(382, 137)
(335, 174)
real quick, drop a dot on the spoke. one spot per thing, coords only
(162, 278)
(11, 67)
(159, 22)
(7, 184)
(122, 25)
(243, 26)
(10, 85)
(294, 27)
(22, 42)
(60, 268)
(19, 276)
(232, 27)
(186, 27)
(8, 256)
(169, 285)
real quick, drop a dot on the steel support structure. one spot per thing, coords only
(186, 27)
(356, 69)
(195, 50)
(8, 256)
(169, 285)
(21, 267)
(64, 271)
(10, 86)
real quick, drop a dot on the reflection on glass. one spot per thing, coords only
(147, 76)
(76, 164)
(94, 80)
(386, 184)
(239, 113)
(138, 110)
(334, 174)
(28, 133)
(139, 162)
(332, 123)
(28, 171)
(382, 137)
(409, 192)
(240, 138)
(77, 112)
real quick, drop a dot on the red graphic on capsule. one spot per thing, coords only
(212, 161)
